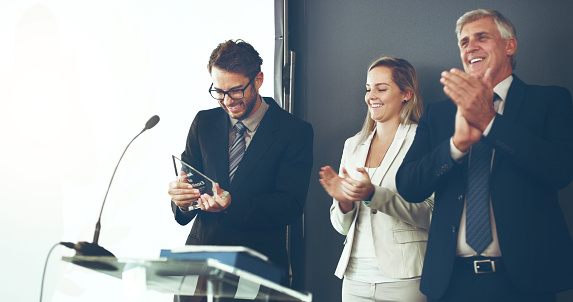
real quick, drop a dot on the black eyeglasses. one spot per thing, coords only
(235, 94)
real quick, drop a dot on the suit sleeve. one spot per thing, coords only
(392, 204)
(342, 221)
(427, 163)
(284, 203)
(191, 155)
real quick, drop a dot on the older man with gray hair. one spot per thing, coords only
(495, 154)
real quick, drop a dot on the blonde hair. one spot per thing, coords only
(404, 75)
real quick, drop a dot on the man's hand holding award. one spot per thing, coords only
(192, 190)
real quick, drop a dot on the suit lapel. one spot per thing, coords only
(263, 139)
(392, 152)
(514, 99)
(219, 146)
(361, 155)
(513, 104)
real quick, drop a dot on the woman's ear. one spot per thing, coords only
(407, 96)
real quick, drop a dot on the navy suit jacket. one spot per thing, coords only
(269, 188)
(533, 142)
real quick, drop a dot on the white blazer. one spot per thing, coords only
(399, 228)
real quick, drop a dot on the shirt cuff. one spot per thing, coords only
(185, 212)
(457, 155)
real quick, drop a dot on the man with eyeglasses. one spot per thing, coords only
(260, 156)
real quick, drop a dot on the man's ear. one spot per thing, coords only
(259, 80)
(511, 46)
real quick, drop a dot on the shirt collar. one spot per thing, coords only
(254, 119)
(503, 87)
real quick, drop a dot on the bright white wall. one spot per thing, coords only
(78, 80)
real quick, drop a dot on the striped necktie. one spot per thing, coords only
(478, 224)
(237, 150)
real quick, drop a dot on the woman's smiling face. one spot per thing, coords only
(383, 97)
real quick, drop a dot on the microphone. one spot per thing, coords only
(151, 123)
(94, 249)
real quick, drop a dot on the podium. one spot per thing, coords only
(200, 278)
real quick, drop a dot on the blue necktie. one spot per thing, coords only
(478, 225)
(237, 149)
(478, 228)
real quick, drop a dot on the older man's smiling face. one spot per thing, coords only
(482, 47)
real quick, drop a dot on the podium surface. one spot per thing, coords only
(209, 278)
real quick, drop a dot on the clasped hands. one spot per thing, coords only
(183, 195)
(473, 96)
(345, 189)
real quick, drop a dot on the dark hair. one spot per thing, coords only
(236, 56)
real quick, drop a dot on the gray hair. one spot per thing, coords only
(505, 27)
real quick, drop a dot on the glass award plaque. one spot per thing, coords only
(197, 179)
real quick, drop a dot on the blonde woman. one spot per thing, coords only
(386, 236)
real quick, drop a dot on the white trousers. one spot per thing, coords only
(402, 291)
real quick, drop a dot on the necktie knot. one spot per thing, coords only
(496, 97)
(240, 128)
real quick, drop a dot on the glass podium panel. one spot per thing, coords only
(209, 278)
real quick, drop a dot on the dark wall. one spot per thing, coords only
(335, 40)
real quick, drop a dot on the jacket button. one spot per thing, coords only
(374, 211)
(453, 229)
(461, 197)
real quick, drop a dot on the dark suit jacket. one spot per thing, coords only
(533, 142)
(270, 186)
